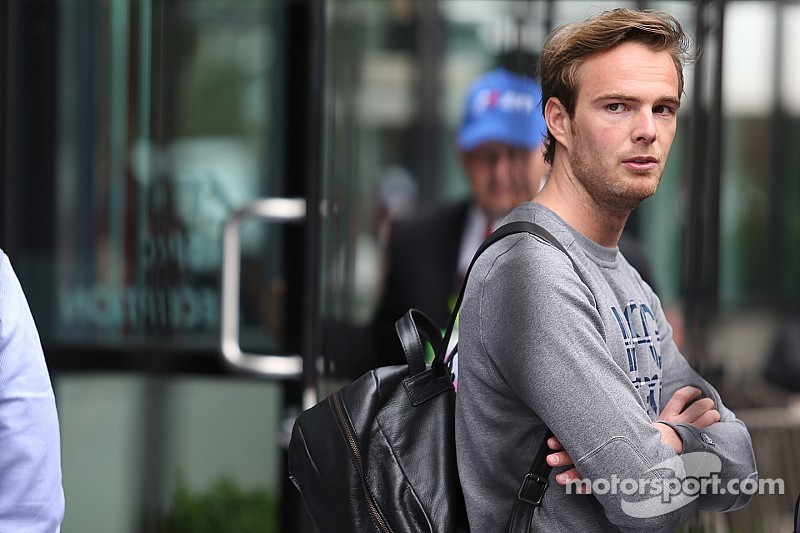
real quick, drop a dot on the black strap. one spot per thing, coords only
(531, 492)
(797, 515)
(503, 231)
(408, 329)
(534, 484)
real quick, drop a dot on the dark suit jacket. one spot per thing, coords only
(422, 273)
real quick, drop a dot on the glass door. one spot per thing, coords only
(136, 133)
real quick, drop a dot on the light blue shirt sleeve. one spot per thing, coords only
(31, 492)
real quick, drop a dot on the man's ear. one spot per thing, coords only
(558, 121)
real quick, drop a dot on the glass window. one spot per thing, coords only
(166, 126)
(135, 129)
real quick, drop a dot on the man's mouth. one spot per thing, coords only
(642, 159)
(641, 163)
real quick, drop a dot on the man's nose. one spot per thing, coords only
(645, 130)
(501, 162)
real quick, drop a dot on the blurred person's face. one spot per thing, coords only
(619, 138)
(503, 176)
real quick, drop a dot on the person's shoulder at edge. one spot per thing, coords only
(8, 278)
(31, 414)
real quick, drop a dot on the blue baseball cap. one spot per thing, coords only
(502, 107)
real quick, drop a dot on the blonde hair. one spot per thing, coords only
(569, 46)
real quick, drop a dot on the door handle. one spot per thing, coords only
(273, 210)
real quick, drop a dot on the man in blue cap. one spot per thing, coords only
(500, 148)
(499, 142)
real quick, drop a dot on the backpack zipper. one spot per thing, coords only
(351, 441)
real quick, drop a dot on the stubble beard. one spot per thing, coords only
(609, 191)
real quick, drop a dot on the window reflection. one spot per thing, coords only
(166, 128)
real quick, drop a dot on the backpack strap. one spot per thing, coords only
(408, 329)
(532, 490)
(535, 482)
(503, 231)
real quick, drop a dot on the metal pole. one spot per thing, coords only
(694, 228)
(428, 121)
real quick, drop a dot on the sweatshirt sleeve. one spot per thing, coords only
(31, 494)
(728, 440)
(547, 342)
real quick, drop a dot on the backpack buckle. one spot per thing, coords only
(532, 489)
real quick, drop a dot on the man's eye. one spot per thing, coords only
(616, 108)
(664, 109)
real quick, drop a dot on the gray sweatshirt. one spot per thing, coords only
(596, 364)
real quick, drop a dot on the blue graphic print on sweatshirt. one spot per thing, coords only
(639, 330)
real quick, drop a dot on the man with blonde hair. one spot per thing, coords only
(585, 349)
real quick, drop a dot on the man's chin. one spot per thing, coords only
(629, 202)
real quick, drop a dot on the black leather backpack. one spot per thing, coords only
(380, 455)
